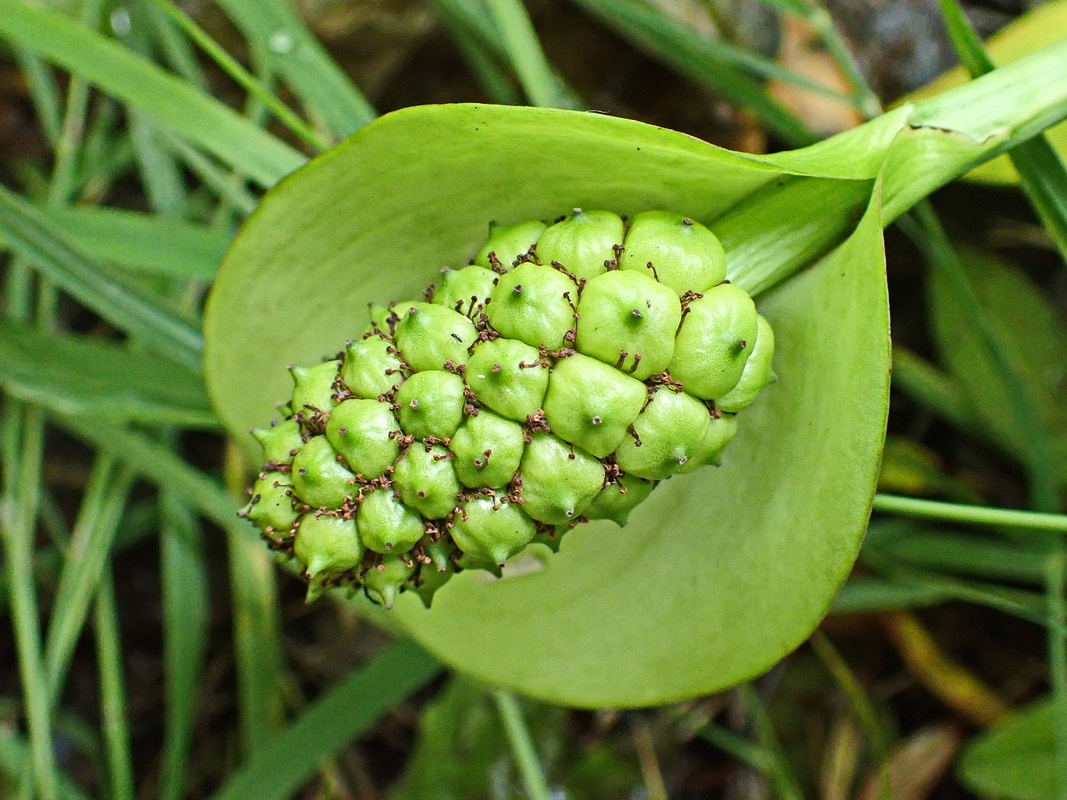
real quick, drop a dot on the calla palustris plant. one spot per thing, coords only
(722, 571)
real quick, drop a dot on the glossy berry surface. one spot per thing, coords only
(555, 380)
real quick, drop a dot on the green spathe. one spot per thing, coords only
(683, 254)
(628, 320)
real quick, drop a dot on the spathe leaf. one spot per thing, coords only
(720, 573)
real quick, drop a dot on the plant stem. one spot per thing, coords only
(1055, 579)
(976, 515)
(522, 745)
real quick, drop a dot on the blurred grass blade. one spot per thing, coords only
(528, 58)
(43, 91)
(1042, 172)
(950, 281)
(781, 775)
(14, 755)
(144, 242)
(711, 63)
(232, 67)
(87, 560)
(482, 58)
(861, 595)
(98, 379)
(932, 388)
(290, 758)
(295, 54)
(168, 100)
(35, 237)
(186, 610)
(113, 691)
(1056, 584)
(228, 187)
(945, 551)
(256, 633)
(161, 173)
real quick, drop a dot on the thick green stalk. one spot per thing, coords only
(522, 745)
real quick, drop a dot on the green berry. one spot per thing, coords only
(583, 242)
(365, 433)
(491, 529)
(509, 377)
(591, 404)
(628, 320)
(271, 506)
(466, 291)
(431, 404)
(487, 450)
(669, 432)
(757, 374)
(426, 481)
(319, 479)
(313, 387)
(371, 368)
(327, 546)
(507, 242)
(616, 500)
(430, 337)
(280, 442)
(714, 342)
(534, 304)
(558, 479)
(386, 525)
(384, 582)
(684, 254)
(522, 398)
(718, 434)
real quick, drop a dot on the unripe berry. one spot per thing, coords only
(319, 479)
(426, 481)
(280, 442)
(683, 254)
(534, 304)
(583, 242)
(558, 479)
(507, 242)
(757, 374)
(628, 320)
(509, 377)
(385, 524)
(591, 404)
(714, 342)
(371, 367)
(384, 582)
(523, 398)
(491, 529)
(364, 432)
(431, 404)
